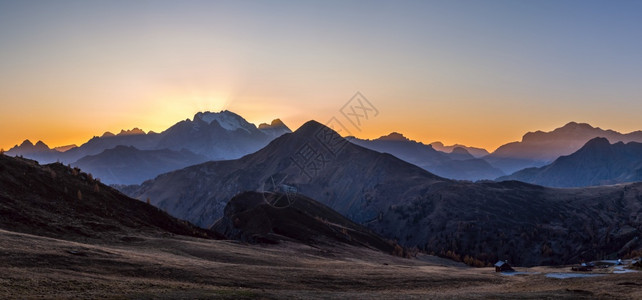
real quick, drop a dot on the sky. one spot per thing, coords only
(480, 73)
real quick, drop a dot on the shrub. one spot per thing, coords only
(397, 251)
(473, 262)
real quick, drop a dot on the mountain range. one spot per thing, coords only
(527, 224)
(457, 164)
(596, 163)
(133, 156)
(39, 151)
(474, 151)
(226, 135)
(539, 148)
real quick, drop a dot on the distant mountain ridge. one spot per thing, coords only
(128, 165)
(540, 148)
(39, 151)
(459, 164)
(597, 163)
(474, 151)
(208, 136)
(222, 135)
(28, 147)
(133, 131)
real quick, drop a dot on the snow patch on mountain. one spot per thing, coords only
(227, 119)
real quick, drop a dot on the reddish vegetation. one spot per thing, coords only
(59, 201)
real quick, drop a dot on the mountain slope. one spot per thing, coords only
(540, 148)
(459, 164)
(58, 201)
(597, 163)
(527, 224)
(128, 165)
(271, 217)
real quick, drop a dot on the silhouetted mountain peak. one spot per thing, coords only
(597, 143)
(393, 136)
(576, 126)
(26, 143)
(275, 123)
(107, 134)
(41, 146)
(310, 128)
(29, 149)
(275, 129)
(135, 131)
(570, 130)
(226, 119)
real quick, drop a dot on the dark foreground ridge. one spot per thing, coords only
(58, 201)
(250, 218)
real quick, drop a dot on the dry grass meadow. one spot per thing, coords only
(176, 267)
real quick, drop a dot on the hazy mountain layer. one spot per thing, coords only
(540, 148)
(128, 165)
(458, 164)
(474, 151)
(209, 136)
(597, 163)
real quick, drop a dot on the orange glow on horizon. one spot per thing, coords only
(66, 131)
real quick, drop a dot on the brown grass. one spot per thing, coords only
(178, 267)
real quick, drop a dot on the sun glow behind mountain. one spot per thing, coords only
(476, 73)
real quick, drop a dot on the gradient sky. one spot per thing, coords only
(481, 73)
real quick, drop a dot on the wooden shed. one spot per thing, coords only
(503, 266)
